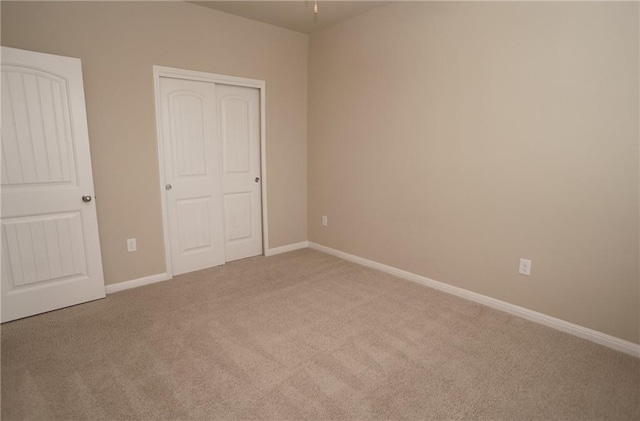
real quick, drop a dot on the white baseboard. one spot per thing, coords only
(121, 286)
(580, 331)
(288, 247)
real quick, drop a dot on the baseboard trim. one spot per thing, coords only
(288, 247)
(534, 316)
(134, 283)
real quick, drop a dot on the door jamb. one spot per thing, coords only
(175, 73)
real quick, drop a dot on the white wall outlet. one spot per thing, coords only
(525, 267)
(325, 221)
(131, 245)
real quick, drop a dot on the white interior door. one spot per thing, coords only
(239, 128)
(50, 245)
(191, 152)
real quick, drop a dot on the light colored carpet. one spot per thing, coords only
(303, 335)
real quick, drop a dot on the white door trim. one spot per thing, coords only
(162, 71)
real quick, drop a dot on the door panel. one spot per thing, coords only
(188, 125)
(236, 133)
(237, 208)
(239, 128)
(194, 225)
(51, 250)
(44, 248)
(36, 140)
(192, 170)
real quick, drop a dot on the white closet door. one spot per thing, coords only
(50, 245)
(191, 152)
(239, 128)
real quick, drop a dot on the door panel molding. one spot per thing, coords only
(191, 75)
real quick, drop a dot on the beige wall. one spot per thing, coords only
(118, 44)
(451, 139)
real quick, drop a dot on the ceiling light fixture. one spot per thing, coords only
(315, 7)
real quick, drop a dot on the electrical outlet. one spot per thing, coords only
(525, 267)
(131, 245)
(325, 221)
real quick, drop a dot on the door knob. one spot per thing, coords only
(86, 198)
(257, 179)
(168, 186)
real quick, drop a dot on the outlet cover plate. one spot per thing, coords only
(525, 267)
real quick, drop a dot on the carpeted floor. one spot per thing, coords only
(303, 335)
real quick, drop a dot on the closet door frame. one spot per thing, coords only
(175, 73)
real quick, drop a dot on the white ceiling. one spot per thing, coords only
(295, 15)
